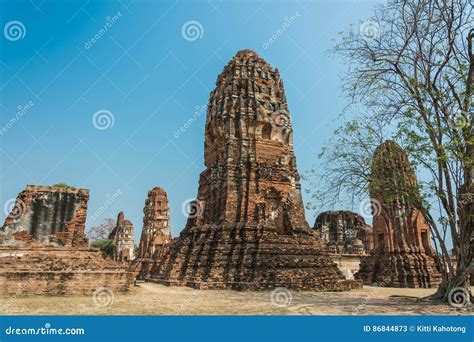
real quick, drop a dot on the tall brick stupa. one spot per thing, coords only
(247, 229)
(402, 255)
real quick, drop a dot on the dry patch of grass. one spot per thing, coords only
(153, 299)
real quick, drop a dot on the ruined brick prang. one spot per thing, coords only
(344, 232)
(156, 231)
(123, 238)
(402, 254)
(47, 214)
(247, 229)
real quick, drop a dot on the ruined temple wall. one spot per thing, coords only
(344, 232)
(48, 215)
(57, 271)
(44, 250)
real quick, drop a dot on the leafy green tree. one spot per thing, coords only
(105, 246)
(62, 185)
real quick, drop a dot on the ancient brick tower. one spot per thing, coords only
(247, 228)
(123, 237)
(402, 254)
(156, 231)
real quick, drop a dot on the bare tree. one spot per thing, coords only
(412, 70)
(102, 231)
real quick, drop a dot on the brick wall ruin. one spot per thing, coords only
(48, 215)
(44, 250)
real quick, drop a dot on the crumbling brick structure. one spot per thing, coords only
(37, 269)
(123, 238)
(44, 250)
(48, 215)
(344, 232)
(402, 254)
(155, 232)
(246, 229)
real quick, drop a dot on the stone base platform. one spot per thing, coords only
(412, 270)
(247, 259)
(46, 270)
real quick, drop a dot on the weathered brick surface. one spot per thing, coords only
(402, 254)
(44, 250)
(344, 232)
(49, 215)
(155, 232)
(247, 229)
(48, 270)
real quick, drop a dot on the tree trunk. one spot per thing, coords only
(465, 248)
(460, 283)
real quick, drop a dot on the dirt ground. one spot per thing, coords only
(153, 299)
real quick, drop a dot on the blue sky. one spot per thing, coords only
(148, 77)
